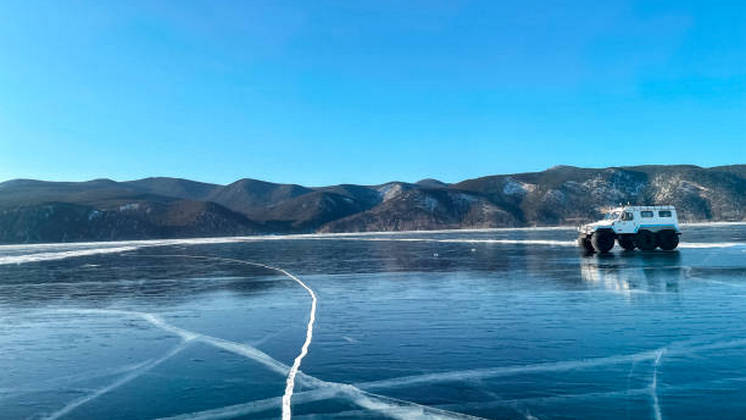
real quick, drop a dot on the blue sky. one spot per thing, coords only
(320, 92)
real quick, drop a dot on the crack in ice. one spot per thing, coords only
(654, 386)
(391, 407)
(293, 371)
(116, 384)
(471, 374)
(388, 406)
(286, 409)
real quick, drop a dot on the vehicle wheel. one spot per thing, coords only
(585, 243)
(602, 241)
(626, 242)
(645, 240)
(667, 239)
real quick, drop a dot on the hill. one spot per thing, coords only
(102, 209)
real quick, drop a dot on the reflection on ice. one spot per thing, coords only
(608, 278)
(630, 273)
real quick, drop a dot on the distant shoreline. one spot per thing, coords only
(279, 236)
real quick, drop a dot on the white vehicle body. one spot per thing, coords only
(652, 218)
(643, 227)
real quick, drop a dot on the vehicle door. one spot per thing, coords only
(627, 223)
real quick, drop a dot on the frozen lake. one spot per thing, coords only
(514, 324)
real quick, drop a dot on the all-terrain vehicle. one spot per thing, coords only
(643, 227)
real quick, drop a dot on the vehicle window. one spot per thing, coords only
(611, 216)
(627, 216)
(646, 214)
(664, 213)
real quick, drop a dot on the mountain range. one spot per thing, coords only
(102, 209)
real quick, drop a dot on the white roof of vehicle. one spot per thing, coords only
(638, 208)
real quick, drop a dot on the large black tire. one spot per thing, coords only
(602, 241)
(667, 240)
(645, 240)
(626, 241)
(585, 243)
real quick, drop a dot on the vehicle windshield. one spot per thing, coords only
(612, 216)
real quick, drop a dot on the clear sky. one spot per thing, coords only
(321, 92)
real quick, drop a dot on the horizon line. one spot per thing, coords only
(366, 184)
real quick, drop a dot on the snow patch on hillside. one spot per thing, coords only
(129, 207)
(389, 191)
(513, 187)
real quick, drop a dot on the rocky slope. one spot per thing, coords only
(38, 211)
